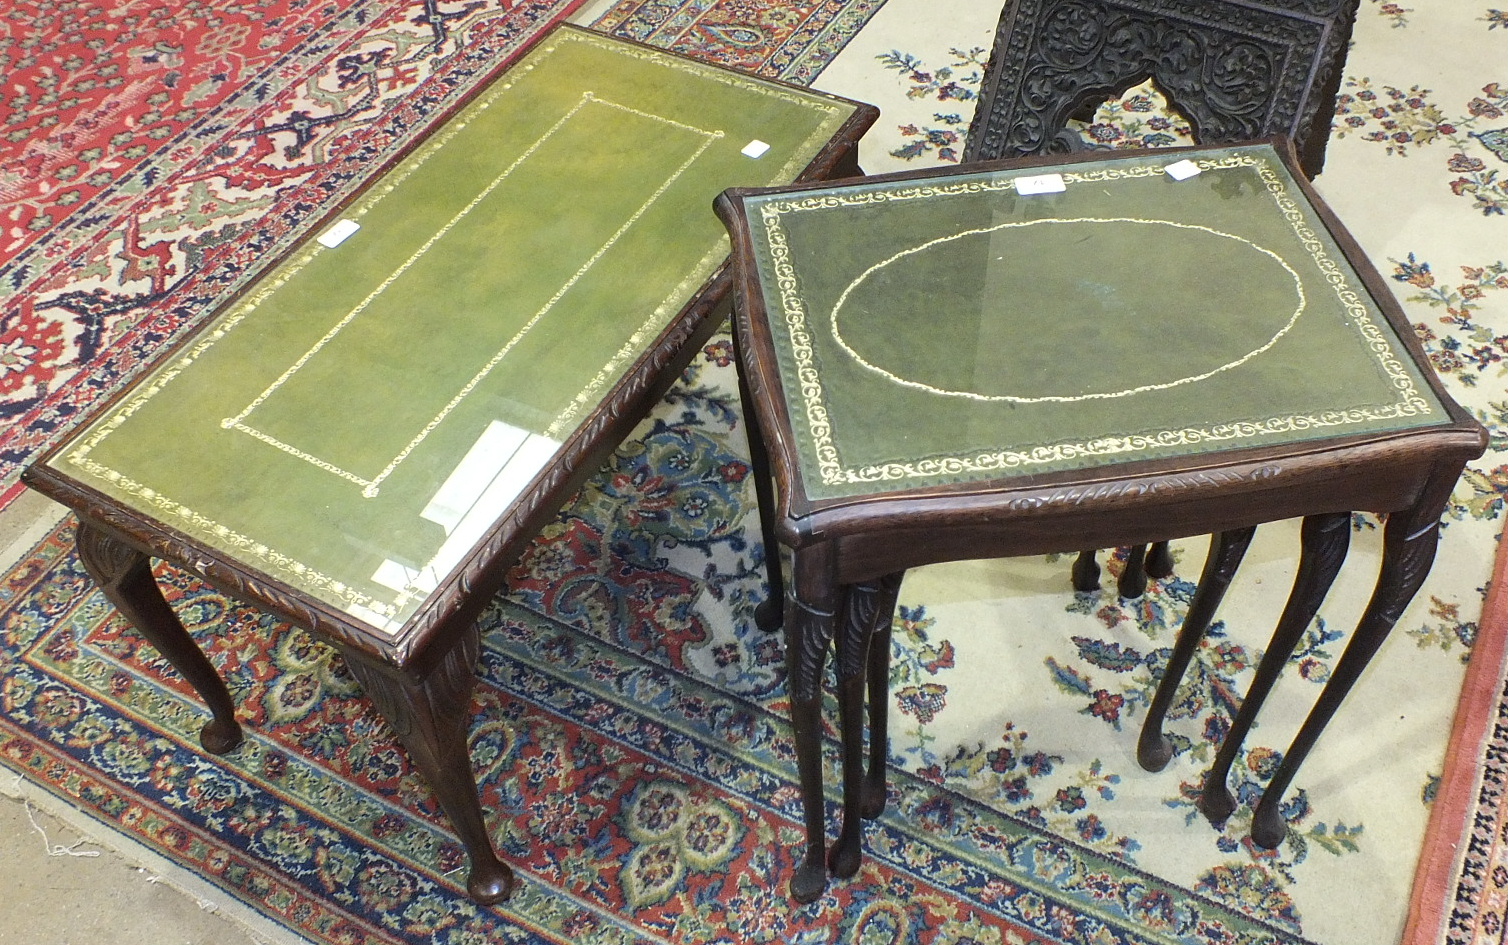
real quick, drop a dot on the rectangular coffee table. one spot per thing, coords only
(366, 438)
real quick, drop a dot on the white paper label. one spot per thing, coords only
(338, 233)
(1041, 184)
(1182, 170)
(756, 148)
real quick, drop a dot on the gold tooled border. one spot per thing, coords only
(812, 399)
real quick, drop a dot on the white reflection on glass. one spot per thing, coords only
(494, 472)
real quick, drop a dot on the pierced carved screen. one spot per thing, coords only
(1237, 70)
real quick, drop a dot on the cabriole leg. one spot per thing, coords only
(1159, 560)
(767, 615)
(125, 576)
(1133, 580)
(1086, 572)
(1325, 540)
(810, 615)
(1408, 551)
(867, 607)
(879, 694)
(430, 716)
(1153, 749)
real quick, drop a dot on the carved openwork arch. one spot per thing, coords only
(1235, 70)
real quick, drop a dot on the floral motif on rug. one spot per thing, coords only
(956, 82)
(1465, 346)
(1476, 139)
(1462, 349)
(1395, 13)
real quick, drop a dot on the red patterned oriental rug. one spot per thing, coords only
(790, 41)
(150, 153)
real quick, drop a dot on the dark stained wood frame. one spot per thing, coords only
(422, 677)
(849, 554)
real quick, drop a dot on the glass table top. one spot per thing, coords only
(997, 324)
(357, 421)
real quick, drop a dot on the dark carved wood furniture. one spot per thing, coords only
(365, 438)
(1237, 69)
(1040, 355)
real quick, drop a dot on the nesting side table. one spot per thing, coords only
(1062, 353)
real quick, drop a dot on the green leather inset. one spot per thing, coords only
(953, 330)
(354, 422)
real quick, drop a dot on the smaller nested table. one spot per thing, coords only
(1049, 355)
(365, 440)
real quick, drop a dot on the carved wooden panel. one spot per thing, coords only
(1236, 70)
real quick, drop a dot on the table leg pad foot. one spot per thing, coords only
(1217, 803)
(489, 883)
(1086, 573)
(874, 801)
(1268, 827)
(844, 859)
(1159, 562)
(1132, 583)
(219, 737)
(768, 616)
(809, 881)
(1153, 753)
